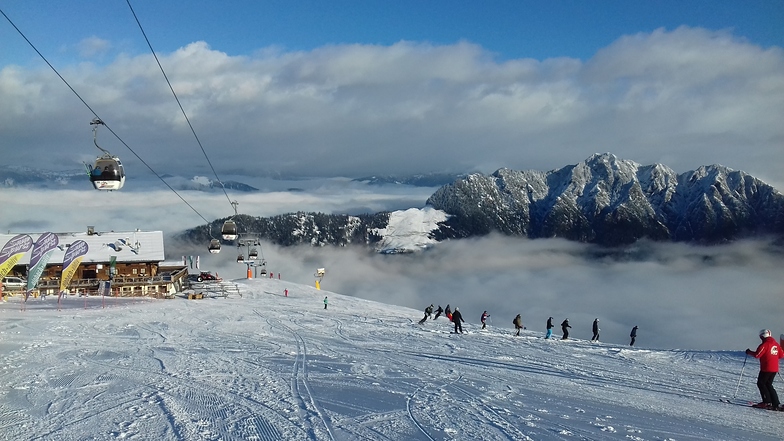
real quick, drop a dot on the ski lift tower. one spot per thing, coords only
(319, 276)
(252, 260)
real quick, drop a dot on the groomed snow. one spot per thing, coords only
(269, 367)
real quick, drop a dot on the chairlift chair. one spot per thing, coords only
(229, 230)
(107, 173)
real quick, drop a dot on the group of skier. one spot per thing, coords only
(768, 352)
(454, 316)
(517, 322)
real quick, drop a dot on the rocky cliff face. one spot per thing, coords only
(610, 201)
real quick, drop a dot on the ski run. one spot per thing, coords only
(264, 366)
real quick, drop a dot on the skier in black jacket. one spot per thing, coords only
(595, 330)
(633, 335)
(565, 329)
(458, 319)
(438, 312)
(428, 311)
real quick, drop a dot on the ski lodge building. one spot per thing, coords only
(133, 261)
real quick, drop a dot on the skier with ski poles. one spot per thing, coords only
(457, 318)
(633, 335)
(769, 352)
(518, 323)
(438, 312)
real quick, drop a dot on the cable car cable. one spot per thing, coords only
(19, 31)
(166, 77)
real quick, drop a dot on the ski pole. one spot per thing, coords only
(741, 376)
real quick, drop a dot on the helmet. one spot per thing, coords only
(457, 309)
(764, 333)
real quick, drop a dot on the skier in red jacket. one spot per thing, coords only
(769, 352)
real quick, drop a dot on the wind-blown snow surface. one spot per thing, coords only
(269, 367)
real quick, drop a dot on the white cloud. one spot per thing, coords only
(686, 97)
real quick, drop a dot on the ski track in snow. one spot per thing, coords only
(267, 367)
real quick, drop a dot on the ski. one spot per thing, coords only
(750, 404)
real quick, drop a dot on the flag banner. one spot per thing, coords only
(197, 262)
(73, 257)
(13, 251)
(105, 288)
(191, 259)
(42, 251)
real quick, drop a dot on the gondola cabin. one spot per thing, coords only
(107, 173)
(240, 258)
(229, 230)
(253, 254)
(215, 246)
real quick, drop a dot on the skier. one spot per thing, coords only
(518, 322)
(485, 315)
(325, 302)
(633, 335)
(438, 312)
(458, 319)
(565, 329)
(768, 352)
(550, 327)
(448, 313)
(595, 330)
(428, 311)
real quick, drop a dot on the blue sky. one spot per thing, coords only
(357, 88)
(509, 29)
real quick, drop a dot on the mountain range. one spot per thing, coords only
(610, 201)
(603, 200)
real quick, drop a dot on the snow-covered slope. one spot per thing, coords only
(409, 230)
(270, 367)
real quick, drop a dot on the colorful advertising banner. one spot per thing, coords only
(73, 257)
(42, 251)
(13, 251)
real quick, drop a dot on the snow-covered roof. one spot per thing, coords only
(127, 247)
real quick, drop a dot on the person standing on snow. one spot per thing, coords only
(769, 352)
(518, 322)
(448, 313)
(565, 329)
(550, 327)
(458, 319)
(485, 315)
(438, 312)
(633, 335)
(325, 302)
(595, 330)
